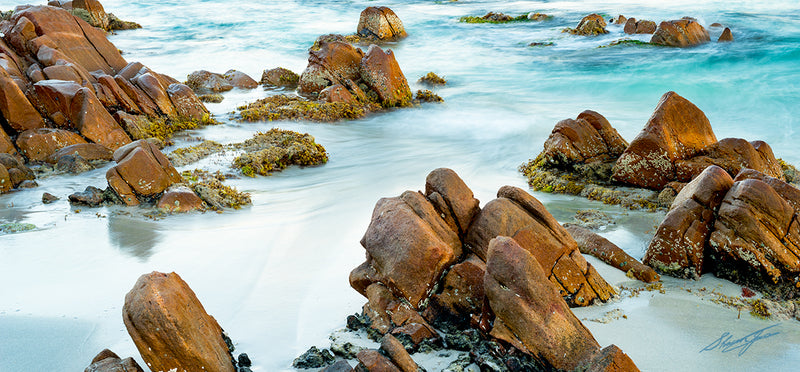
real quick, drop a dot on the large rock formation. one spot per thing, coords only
(531, 315)
(419, 270)
(743, 229)
(685, 32)
(678, 130)
(171, 328)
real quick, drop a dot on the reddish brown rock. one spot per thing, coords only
(390, 314)
(38, 144)
(590, 138)
(205, 82)
(462, 288)
(529, 312)
(143, 168)
(609, 359)
(139, 97)
(381, 73)
(517, 214)
(240, 80)
(336, 93)
(756, 240)
(680, 33)
(408, 248)
(333, 63)
(6, 146)
(678, 130)
(186, 103)
(135, 125)
(372, 361)
(94, 122)
(632, 26)
(122, 99)
(380, 23)
(726, 36)
(180, 199)
(608, 252)
(81, 43)
(171, 328)
(5, 180)
(108, 361)
(398, 354)
(457, 204)
(56, 96)
(591, 25)
(678, 247)
(280, 77)
(88, 151)
(97, 14)
(733, 155)
(157, 93)
(18, 112)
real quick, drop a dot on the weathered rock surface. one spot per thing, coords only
(108, 361)
(452, 198)
(39, 144)
(171, 328)
(726, 36)
(141, 170)
(408, 247)
(591, 25)
(240, 80)
(380, 71)
(608, 252)
(14, 172)
(380, 23)
(632, 26)
(677, 249)
(677, 130)
(180, 199)
(88, 151)
(733, 155)
(333, 63)
(685, 32)
(517, 214)
(587, 139)
(279, 77)
(530, 314)
(205, 82)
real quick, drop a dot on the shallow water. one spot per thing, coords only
(275, 275)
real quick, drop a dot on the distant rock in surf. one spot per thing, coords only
(685, 32)
(591, 25)
(380, 23)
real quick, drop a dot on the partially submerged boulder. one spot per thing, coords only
(171, 328)
(108, 361)
(279, 77)
(726, 36)
(141, 171)
(206, 82)
(591, 25)
(380, 23)
(632, 26)
(240, 80)
(685, 32)
(583, 143)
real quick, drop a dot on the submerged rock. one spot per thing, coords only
(141, 171)
(726, 36)
(180, 199)
(171, 328)
(685, 32)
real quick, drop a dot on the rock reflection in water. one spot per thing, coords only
(133, 237)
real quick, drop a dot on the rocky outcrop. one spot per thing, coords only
(531, 315)
(93, 12)
(57, 71)
(632, 26)
(678, 130)
(588, 139)
(733, 155)
(108, 361)
(517, 214)
(279, 77)
(171, 328)
(88, 151)
(426, 262)
(685, 32)
(380, 23)
(380, 71)
(591, 25)
(13, 172)
(141, 171)
(608, 252)
(743, 229)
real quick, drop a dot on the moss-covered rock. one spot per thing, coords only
(285, 107)
(427, 96)
(187, 155)
(493, 17)
(209, 187)
(276, 150)
(211, 98)
(432, 79)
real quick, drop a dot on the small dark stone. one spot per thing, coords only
(314, 358)
(244, 360)
(48, 198)
(354, 322)
(92, 197)
(244, 369)
(340, 366)
(28, 184)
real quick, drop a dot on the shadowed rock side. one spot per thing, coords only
(608, 252)
(426, 267)
(743, 229)
(63, 83)
(108, 361)
(587, 157)
(380, 23)
(171, 328)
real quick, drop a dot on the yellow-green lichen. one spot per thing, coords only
(284, 107)
(277, 149)
(432, 79)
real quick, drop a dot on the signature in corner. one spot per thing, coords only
(726, 343)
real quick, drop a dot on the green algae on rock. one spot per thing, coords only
(211, 98)
(187, 155)
(285, 107)
(432, 79)
(425, 95)
(209, 187)
(493, 17)
(277, 149)
(11, 228)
